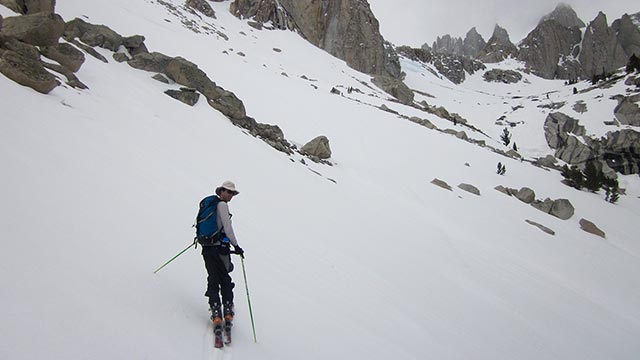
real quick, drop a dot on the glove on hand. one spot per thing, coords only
(238, 250)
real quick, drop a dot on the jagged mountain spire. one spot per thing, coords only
(565, 15)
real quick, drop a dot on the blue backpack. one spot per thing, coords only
(207, 232)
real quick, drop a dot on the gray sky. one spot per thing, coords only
(414, 22)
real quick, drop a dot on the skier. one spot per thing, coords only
(216, 253)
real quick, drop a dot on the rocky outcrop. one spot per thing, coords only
(502, 76)
(498, 48)
(453, 67)
(441, 183)
(541, 227)
(318, 148)
(185, 95)
(30, 6)
(619, 151)
(526, 195)
(470, 189)
(628, 35)
(550, 50)
(394, 87)
(561, 208)
(103, 36)
(601, 51)
(591, 228)
(347, 29)
(202, 7)
(564, 15)
(26, 71)
(40, 29)
(65, 54)
(448, 45)
(628, 112)
(473, 44)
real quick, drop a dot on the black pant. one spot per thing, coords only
(217, 260)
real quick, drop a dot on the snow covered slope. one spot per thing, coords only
(365, 259)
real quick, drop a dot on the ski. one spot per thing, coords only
(218, 339)
(227, 332)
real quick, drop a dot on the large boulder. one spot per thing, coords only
(318, 147)
(526, 195)
(26, 71)
(93, 35)
(601, 50)
(15, 5)
(36, 6)
(591, 228)
(65, 54)
(470, 189)
(562, 209)
(557, 128)
(40, 29)
(154, 61)
(627, 111)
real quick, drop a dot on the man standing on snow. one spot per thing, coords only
(217, 253)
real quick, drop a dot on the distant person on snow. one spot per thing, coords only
(215, 233)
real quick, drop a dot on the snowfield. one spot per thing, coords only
(365, 259)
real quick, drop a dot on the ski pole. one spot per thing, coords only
(173, 258)
(253, 326)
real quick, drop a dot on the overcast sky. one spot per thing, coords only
(414, 22)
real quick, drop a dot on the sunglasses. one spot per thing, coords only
(230, 192)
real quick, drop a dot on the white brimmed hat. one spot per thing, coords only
(228, 185)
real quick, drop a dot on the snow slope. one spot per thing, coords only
(100, 186)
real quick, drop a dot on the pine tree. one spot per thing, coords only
(515, 147)
(501, 169)
(633, 64)
(573, 177)
(505, 137)
(612, 190)
(593, 177)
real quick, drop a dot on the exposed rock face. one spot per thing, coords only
(560, 208)
(503, 76)
(453, 67)
(30, 6)
(498, 48)
(394, 87)
(628, 111)
(473, 43)
(318, 147)
(565, 16)
(26, 71)
(550, 50)
(36, 6)
(601, 50)
(448, 45)
(526, 195)
(185, 95)
(619, 150)
(103, 36)
(65, 54)
(40, 29)
(346, 29)
(201, 6)
(628, 35)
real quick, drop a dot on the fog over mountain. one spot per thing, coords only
(414, 22)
